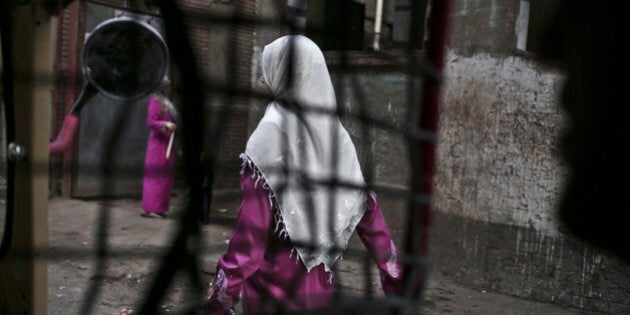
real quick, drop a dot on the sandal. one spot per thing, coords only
(153, 215)
(125, 311)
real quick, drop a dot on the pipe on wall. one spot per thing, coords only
(377, 24)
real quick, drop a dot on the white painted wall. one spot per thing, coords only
(498, 158)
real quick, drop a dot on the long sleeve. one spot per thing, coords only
(375, 235)
(246, 248)
(154, 116)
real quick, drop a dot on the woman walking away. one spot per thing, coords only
(159, 161)
(293, 224)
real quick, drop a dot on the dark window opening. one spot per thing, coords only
(336, 24)
(533, 25)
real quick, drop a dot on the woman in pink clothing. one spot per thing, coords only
(293, 224)
(158, 168)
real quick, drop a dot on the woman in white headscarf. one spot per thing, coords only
(303, 195)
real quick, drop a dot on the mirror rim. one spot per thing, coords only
(117, 20)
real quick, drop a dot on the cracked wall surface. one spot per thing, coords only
(498, 149)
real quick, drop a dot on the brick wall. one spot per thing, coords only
(67, 84)
(224, 52)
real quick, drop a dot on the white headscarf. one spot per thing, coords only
(169, 106)
(298, 154)
(166, 102)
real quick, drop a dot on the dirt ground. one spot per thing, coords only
(136, 245)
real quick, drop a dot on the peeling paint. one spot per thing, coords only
(583, 277)
(550, 252)
(492, 21)
(518, 243)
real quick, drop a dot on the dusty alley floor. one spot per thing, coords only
(137, 243)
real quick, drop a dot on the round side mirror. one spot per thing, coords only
(125, 58)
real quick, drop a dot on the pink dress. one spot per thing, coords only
(261, 268)
(158, 171)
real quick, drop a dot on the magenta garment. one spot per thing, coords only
(158, 171)
(261, 268)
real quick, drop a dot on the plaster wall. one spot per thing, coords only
(498, 141)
